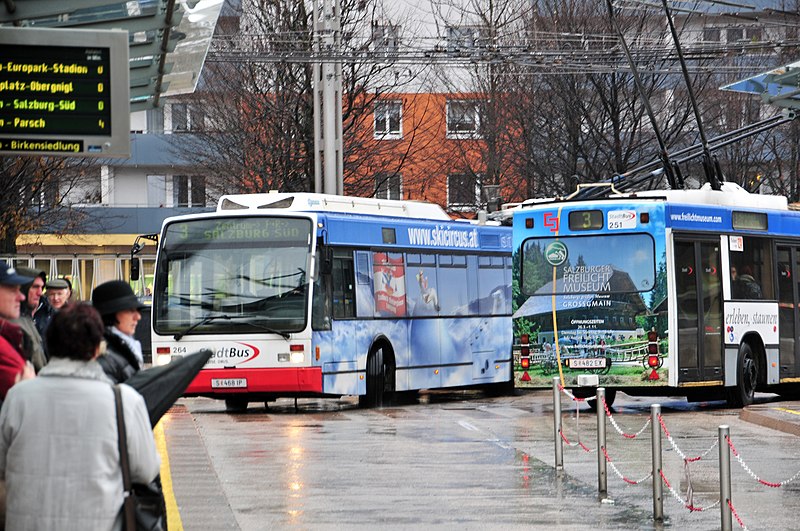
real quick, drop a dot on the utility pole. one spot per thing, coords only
(328, 152)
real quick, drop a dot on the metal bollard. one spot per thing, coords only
(724, 478)
(557, 423)
(602, 476)
(658, 486)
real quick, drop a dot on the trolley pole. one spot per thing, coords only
(724, 478)
(602, 476)
(658, 487)
(557, 423)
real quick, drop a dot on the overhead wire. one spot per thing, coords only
(539, 51)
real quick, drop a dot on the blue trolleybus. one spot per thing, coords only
(319, 295)
(682, 292)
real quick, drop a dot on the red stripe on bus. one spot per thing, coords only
(277, 380)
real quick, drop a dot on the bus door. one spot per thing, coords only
(788, 313)
(699, 307)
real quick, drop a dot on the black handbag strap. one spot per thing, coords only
(122, 438)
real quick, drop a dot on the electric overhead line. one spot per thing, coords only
(606, 58)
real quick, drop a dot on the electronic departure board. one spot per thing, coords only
(64, 92)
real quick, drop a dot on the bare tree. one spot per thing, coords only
(39, 192)
(259, 100)
(541, 128)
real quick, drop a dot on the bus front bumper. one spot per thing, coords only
(269, 380)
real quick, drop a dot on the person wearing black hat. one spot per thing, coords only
(121, 312)
(13, 366)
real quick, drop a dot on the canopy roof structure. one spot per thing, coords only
(168, 39)
(779, 87)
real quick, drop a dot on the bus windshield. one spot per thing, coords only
(600, 263)
(243, 275)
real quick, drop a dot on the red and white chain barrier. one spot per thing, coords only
(573, 397)
(619, 430)
(605, 452)
(753, 474)
(687, 502)
(621, 476)
(577, 424)
(736, 515)
(577, 443)
(677, 450)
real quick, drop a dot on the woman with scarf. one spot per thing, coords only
(120, 309)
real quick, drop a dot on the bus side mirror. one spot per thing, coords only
(134, 268)
(137, 247)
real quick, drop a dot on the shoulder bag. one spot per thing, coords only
(144, 506)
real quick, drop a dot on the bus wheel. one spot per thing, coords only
(235, 405)
(746, 378)
(378, 380)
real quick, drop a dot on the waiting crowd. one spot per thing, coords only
(59, 360)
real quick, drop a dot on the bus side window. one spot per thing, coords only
(752, 274)
(343, 280)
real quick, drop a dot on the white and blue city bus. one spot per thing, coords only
(319, 295)
(681, 292)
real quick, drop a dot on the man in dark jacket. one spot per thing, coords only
(120, 309)
(37, 303)
(34, 341)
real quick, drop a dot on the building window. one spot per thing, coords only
(733, 35)
(156, 190)
(464, 118)
(463, 191)
(753, 34)
(155, 120)
(188, 191)
(180, 117)
(187, 117)
(388, 186)
(711, 34)
(388, 119)
(466, 39)
(385, 39)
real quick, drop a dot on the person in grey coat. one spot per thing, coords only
(59, 455)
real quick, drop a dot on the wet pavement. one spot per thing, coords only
(471, 462)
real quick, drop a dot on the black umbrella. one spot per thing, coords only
(162, 385)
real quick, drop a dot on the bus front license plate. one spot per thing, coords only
(587, 363)
(228, 383)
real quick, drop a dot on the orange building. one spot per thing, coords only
(427, 147)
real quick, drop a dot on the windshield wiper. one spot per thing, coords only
(284, 335)
(201, 322)
(209, 318)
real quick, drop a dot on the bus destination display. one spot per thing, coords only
(248, 230)
(67, 94)
(57, 92)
